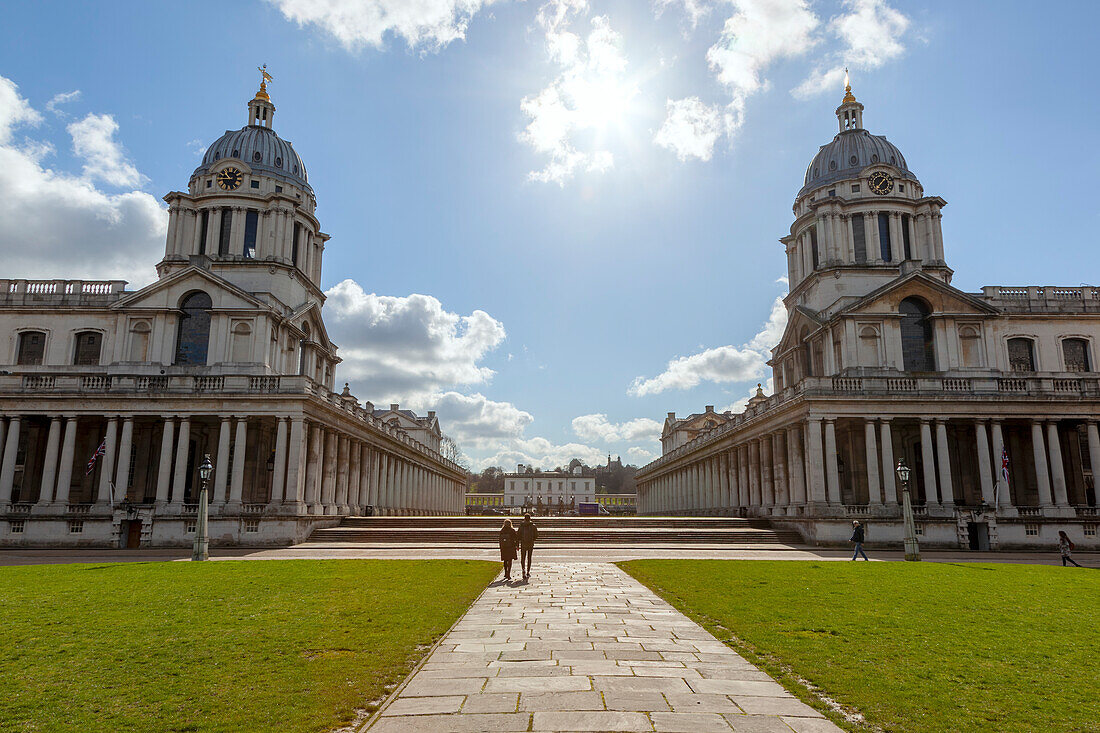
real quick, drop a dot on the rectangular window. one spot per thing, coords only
(855, 188)
(251, 221)
(252, 525)
(813, 247)
(255, 184)
(832, 192)
(919, 529)
(87, 348)
(294, 245)
(905, 236)
(884, 237)
(223, 233)
(859, 236)
(209, 183)
(1031, 530)
(205, 227)
(278, 189)
(189, 526)
(1021, 355)
(76, 526)
(17, 526)
(1089, 530)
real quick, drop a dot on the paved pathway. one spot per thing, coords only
(585, 647)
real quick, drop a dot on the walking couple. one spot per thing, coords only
(523, 538)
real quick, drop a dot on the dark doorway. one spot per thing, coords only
(979, 536)
(131, 534)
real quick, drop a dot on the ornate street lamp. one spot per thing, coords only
(201, 550)
(912, 551)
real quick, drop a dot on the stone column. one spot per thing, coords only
(1042, 472)
(874, 496)
(313, 470)
(889, 488)
(49, 465)
(328, 474)
(65, 468)
(985, 474)
(341, 501)
(278, 478)
(179, 480)
(767, 485)
(795, 464)
(122, 467)
(723, 483)
(1057, 468)
(240, 452)
(294, 494)
(1094, 455)
(779, 471)
(164, 471)
(107, 463)
(928, 463)
(221, 464)
(383, 482)
(742, 475)
(353, 476)
(754, 475)
(832, 469)
(947, 491)
(815, 462)
(365, 473)
(1002, 492)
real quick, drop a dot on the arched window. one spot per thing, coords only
(868, 347)
(139, 341)
(1021, 355)
(970, 346)
(918, 354)
(32, 348)
(1076, 353)
(88, 345)
(241, 347)
(193, 334)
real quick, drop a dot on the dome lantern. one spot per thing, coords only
(260, 110)
(850, 112)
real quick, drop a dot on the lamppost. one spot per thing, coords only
(912, 551)
(201, 550)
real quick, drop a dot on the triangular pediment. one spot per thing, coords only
(798, 318)
(310, 313)
(167, 292)
(941, 298)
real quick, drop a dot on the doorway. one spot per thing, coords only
(979, 536)
(131, 534)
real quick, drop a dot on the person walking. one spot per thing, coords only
(857, 537)
(507, 547)
(1065, 545)
(528, 533)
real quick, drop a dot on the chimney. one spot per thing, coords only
(431, 414)
(672, 416)
(394, 406)
(710, 408)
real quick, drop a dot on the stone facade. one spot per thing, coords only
(225, 354)
(882, 361)
(549, 487)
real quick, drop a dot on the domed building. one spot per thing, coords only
(888, 380)
(111, 399)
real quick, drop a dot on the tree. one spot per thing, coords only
(449, 449)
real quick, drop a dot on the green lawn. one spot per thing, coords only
(289, 645)
(925, 647)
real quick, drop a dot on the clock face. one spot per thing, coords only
(229, 179)
(881, 183)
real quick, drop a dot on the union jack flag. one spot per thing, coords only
(101, 450)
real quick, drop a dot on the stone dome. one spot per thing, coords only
(262, 150)
(850, 152)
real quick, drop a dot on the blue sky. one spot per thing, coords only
(559, 219)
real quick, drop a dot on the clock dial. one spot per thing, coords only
(881, 183)
(229, 179)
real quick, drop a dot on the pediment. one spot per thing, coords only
(797, 319)
(310, 313)
(167, 292)
(941, 298)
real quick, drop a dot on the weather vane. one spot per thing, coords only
(266, 76)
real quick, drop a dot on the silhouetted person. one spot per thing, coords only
(507, 547)
(1065, 546)
(857, 537)
(528, 533)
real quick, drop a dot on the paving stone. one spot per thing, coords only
(543, 701)
(424, 706)
(487, 723)
(739, 687)
(440, 688)
(538, 684)
(639, 701)
(776, 706)
(689, 723)
(641, 684)
(811, 725)
(491, 702)
(709, 703)
(591, 721)
(754, 724)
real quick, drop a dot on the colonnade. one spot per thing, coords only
(796, 470)
(314, 468)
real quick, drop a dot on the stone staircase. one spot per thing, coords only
(558, 531)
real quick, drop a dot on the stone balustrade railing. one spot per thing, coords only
(19, 292)
(1043, 297)
(60, 383)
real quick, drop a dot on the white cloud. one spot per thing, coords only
(61, 98)
(542, 453)
(738, 406)
(695, 10)
(597, 428)
(591, 93)
(722, 364)
(691, 128)
(474, 421)
(407, 346)
(871, 32)
(428, 24)
(94, 141)
(56, 224)
(641, 455)
(757, 34)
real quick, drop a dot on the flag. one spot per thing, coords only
(101, 450)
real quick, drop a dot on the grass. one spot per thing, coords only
(290, 645)
(916, 648)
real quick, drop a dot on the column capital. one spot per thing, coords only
(925, 420)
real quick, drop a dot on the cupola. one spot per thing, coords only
(260, 110)
(850, 112)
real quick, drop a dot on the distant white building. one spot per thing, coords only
(549, 487)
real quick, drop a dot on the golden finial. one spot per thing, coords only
(264, 79)
(848, 96)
